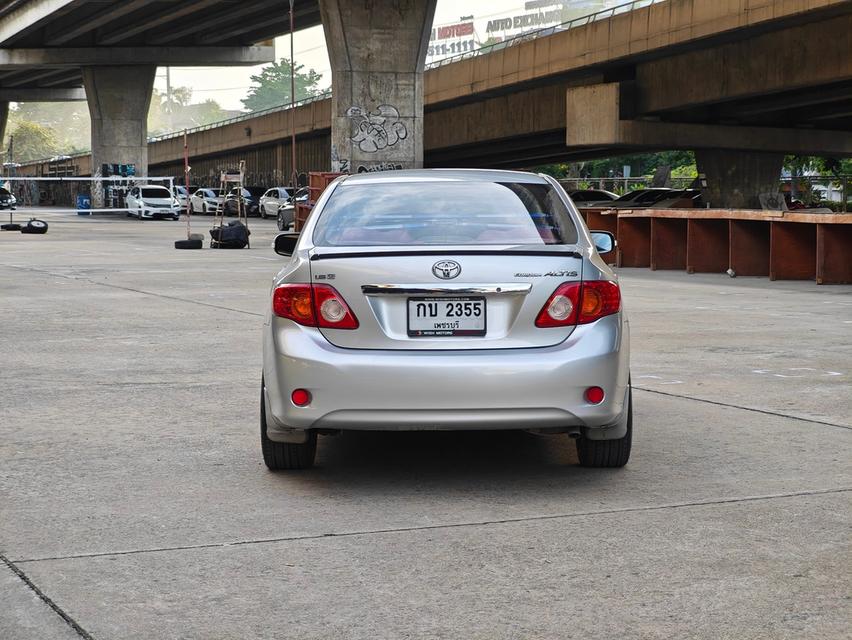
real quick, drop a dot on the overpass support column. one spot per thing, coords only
(118, 99)
(377, 50)
(4, 120)
(735, 179)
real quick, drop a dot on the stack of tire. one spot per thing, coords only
(33, 226)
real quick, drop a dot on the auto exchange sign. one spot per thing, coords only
(526, 20)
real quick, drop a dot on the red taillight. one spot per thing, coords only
(560, 310)
(331, 309)
(600, 298)
(294, 301)
(316, 305)
(579, 303)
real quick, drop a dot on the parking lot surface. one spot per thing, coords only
(134, 502)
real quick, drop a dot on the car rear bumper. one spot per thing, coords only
(158, 214)
(539, 388)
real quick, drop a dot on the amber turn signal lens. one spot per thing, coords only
(592, 302)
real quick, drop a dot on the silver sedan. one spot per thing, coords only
(445, 299)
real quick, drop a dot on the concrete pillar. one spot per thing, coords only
(377, 50)
(118, 99)
(735, 179)
(4, 120)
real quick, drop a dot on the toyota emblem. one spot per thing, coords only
(446, 269)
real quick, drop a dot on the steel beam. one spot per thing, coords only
(156, 20)
(42, 95)
(28, 15)
(134, 56)
(210, 23)
(106, 15)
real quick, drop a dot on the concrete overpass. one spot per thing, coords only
(741, 83)
(44, 43)
(51, 49)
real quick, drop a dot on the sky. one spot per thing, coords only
(227, 85)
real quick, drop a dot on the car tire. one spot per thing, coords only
(280, 456)
(35, 226)
(192, 243)
(608, 453)
(262, 213)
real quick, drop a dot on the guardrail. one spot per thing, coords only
(242, 118)
(582, 21)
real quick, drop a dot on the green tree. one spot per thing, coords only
(68, 120)
(33, 142)
(273, 86)
(167, 115)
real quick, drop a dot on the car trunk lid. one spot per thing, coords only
(476, 298)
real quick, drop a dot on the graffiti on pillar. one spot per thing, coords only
(379, 166)
(376, 130)
(338, 164)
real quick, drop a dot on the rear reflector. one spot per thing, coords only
(594, 395)
(316, 305)
(301, 397)
(579, 303)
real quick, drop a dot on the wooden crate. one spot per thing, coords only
(302, 212)
(317, 183)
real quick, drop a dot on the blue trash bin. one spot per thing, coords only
(84, 202)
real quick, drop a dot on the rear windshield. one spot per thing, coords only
(441, 213)
(156, 192)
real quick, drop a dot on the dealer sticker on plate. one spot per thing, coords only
(446, 317)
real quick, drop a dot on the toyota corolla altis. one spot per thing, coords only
(445, 299)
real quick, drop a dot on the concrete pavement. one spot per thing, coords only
(133, 496)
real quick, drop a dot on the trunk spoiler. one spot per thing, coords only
(445, 252)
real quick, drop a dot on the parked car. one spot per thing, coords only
(152, 201)
(680, 199)
(7, 200)
(182, 195)
(206, 201)
(592, 197)
(445, 299)
(641, 198)
(250, 197)
(287, 211)
(272, 200)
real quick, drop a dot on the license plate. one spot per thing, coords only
(446, 317)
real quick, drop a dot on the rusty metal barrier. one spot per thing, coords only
(780, 245)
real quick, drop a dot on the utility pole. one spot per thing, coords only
(295, 176)
(169, 97)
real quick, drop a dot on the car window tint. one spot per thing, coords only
(630, 195)
(441, 213)
(652, 196)
(156, 192)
